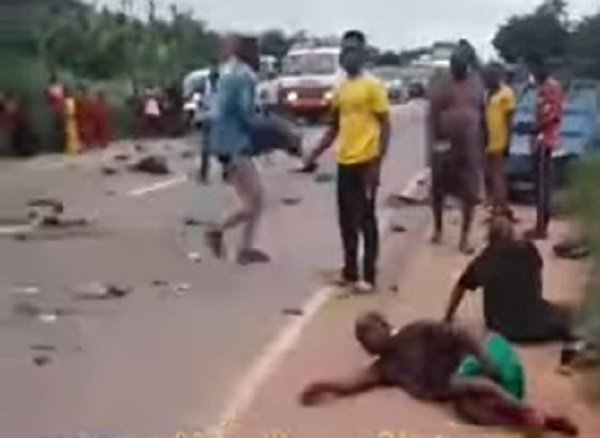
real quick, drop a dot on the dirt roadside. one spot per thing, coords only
(327, 348)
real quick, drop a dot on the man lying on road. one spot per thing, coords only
(435, 361)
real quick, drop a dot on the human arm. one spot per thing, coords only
(470, 279)
(310, 161)
(364, 381)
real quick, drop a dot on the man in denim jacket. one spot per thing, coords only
(232, 119)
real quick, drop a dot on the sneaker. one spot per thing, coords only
(214, 241)
(252, 256)
(364, 287)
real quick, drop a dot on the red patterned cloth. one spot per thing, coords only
(549, 113)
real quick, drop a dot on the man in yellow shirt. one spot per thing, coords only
(360, 124)
(499, 111)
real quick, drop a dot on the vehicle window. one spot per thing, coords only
(310, 64)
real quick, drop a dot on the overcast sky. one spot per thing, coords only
(394, 24)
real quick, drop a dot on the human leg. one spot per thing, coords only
(370, 231)
(438, 195)
(348, 192)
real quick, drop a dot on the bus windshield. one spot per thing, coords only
(310, 64)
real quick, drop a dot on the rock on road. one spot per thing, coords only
(167, 356)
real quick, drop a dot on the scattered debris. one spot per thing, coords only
(194, 257)
(160, 283)
(398, 228)
(43, 347)
(106, 170)
(573, 249)
(291, 311)
(152, 165)
(186, 155)
(101, 291)
(324, 178)
(121, 157)
(41, 360)
(48, 203)
(26, 290)
(47, 318)
(291, 200)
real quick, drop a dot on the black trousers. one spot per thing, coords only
(356, 197)
(542, 162)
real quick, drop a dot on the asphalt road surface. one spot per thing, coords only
(169, 355)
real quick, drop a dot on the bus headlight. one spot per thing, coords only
(328, 95)
(292, 96)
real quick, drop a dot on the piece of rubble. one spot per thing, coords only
(153, 165)
(26, 290)
(291, 200)
(324, 178)
(101, 291)
(109, 171)
(398, 228)
(41, 360)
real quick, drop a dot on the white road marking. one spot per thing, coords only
(268, 362)
(144, 190)
(272, 356)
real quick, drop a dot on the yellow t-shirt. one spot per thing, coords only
(499, 105)
(358, 102)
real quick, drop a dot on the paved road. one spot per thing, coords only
(161, 359)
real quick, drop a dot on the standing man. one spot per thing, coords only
(456, 139)
(547, 137)
(500, 107)
(361, 126)
(230, 140)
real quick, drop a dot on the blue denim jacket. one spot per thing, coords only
(232, 112)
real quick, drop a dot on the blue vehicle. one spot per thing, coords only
(580, 133)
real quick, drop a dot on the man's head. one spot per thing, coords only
(494, 75)
(459, 66)
(469, 53)
(354, 51)
(501, 229)
(539, 70)
(243, 47)
(373, 332)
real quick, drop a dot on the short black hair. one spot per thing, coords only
(355, 34)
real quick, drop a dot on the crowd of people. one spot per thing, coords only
(468, 129)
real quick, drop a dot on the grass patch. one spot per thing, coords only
(583, 206)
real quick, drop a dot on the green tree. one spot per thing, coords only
(540, 34)
(585, 45)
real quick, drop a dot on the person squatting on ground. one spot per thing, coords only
(509, 273)
(455, 121)
(360, 124)
(230, 140)
(500, 107)
(439, 362)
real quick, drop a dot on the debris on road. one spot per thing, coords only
(160, 283)
(153, 165)
(186, 155)
(43, 347)
(398, 201)
(40, 360)
(101, 291)
(192, 222)
(139, 148)
(182, 287)
(26, 290)
(194, 257)
(292, 311)
(291, 200)
(121, 157)
(572, 249)
(397, 228)
(109, 171)
(324, 178)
